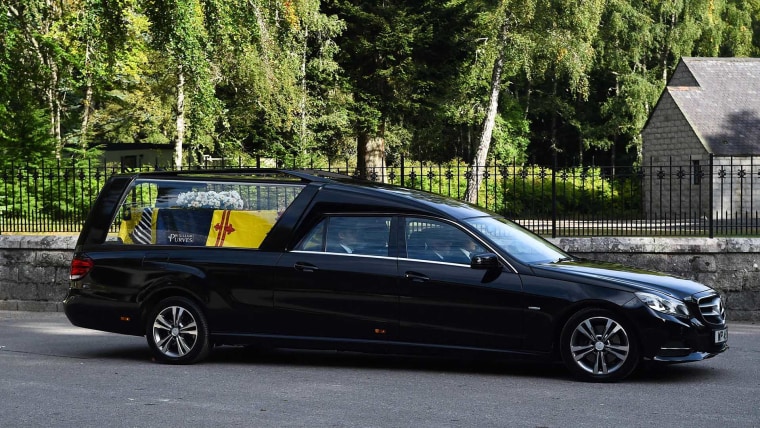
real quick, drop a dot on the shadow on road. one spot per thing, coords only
(352, 360)
(237, 356)
(232, 355)
(62, 340)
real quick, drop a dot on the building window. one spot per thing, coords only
(696, 172)
(128, 163)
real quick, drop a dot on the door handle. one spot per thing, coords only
(416, 277)
(305, 267)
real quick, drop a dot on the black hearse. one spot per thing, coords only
(307, 259)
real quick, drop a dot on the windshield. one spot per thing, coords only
(517, 241)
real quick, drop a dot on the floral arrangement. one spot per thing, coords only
(218, 200)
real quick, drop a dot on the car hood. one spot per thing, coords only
(626, 276)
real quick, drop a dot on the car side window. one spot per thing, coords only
(438, 241)
(364, 235)
(200, 213)
(315, 239)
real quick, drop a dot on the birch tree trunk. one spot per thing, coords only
(56, 111)
(484, 142)
(87, 103)
(303, 102)
(180, 118)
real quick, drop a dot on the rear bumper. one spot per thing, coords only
(99, 314)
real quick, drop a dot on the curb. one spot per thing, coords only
(30, 306)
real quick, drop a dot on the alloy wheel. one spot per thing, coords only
(177, 331)
(599, 345)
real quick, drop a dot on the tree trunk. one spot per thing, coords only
(57, 119)
(481, 154)
(371, 155)
(86, 110)
(553, 134)
(666, 48)
(180, 118)
(303, 146)
(87, 99)
(54, 103)
(265, 42)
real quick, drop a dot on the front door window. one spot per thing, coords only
(438, 241)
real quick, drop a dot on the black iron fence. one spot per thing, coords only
(694, 197)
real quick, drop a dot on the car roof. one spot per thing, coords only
(427, 201)
(304, 175)
(413, 198)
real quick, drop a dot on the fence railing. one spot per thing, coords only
(718, 197)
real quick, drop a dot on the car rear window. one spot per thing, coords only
(200, 213)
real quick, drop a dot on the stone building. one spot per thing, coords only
(709, 114)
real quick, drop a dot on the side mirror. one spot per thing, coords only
(484, 261)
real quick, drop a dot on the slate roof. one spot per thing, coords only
(720, 97)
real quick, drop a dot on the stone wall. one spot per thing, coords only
(34, 270)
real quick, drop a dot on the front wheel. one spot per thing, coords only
(596, 345)
(177, 332)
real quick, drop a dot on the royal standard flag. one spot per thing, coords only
(233, 228)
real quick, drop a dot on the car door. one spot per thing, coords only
(443, 301)
(331, 288)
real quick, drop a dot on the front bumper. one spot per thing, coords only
(669, 339)
(694, 356)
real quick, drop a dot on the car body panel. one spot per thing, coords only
(444, 303)
(632, 278)
(391, 302)
(353, 297)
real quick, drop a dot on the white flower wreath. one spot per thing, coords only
(230, 200)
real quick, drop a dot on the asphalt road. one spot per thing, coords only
(53, 374)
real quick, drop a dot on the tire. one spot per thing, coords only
(177, 332)
(598, 346)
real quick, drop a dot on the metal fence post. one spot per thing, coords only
(554, 196)
(403, 170)
(711, 201)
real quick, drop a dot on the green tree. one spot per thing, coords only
(179, 28)
(623, 72)
(377, 57)
(506, 21)
(42, 54)
(560, 53)
(403, 64)
(739, 21)
(26, 127)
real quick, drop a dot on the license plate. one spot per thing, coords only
(721, 336)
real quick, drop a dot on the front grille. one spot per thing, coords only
(712, 309)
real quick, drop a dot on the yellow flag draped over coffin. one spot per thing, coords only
(233, 228)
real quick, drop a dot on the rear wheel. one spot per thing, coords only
(596, 345)
(177, 332)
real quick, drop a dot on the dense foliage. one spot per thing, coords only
(350, 79)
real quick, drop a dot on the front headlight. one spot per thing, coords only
(666, 305)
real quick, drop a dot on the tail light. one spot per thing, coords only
(80, 267)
